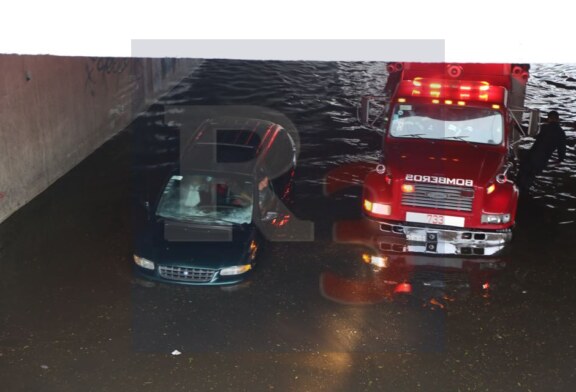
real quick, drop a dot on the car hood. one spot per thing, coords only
(454, 160)
(197, 245)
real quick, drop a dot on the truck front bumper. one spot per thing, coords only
(441, 240)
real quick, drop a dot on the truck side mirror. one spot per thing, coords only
(365, 110)
(534, 122)
(372, 109)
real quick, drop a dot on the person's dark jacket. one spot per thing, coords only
(551, 138)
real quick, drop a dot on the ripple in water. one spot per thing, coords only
(321, 98)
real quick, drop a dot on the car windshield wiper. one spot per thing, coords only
(225, 221)
(168, 217)
(197, 219)
(212, 219)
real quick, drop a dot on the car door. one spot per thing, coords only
(280, 163)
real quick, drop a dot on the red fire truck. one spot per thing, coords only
(451, 133)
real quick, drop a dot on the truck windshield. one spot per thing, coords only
(206, 198)
(442, 122)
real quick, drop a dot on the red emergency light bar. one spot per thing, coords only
(461, 91)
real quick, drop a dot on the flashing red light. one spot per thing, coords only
(403, 288)
(454, 90)
(486, 286)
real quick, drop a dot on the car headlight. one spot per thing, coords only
(495, 218)
(235, 270)
(144, 263)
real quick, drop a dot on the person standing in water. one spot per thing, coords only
(551, 138)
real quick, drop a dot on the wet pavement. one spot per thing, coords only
(315, 316)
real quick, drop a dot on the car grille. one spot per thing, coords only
(187, 274)
(440, 197)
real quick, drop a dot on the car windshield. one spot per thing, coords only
(433, 121)
(207, 198)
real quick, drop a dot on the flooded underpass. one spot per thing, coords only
(315, 315)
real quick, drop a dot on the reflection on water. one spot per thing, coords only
(321, 98)
(391, 271)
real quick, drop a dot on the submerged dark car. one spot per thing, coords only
(225, 197)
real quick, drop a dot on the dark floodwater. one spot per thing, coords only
(70, 310)
(320, 99)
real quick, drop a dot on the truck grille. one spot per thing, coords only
(440, 196)
(187, 274)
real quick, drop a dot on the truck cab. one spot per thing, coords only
(451, 132)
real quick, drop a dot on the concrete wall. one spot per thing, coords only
(55, 111)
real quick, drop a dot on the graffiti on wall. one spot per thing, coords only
(111, 65)
(104, 66)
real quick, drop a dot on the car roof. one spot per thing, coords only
(228, 144)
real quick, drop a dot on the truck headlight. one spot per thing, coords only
(144, 263)
(495, 218)
(377, 261)
(377, 208)
(235, 270)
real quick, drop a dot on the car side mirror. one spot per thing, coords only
(146, 206)
(270, 216)
(144, 203)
